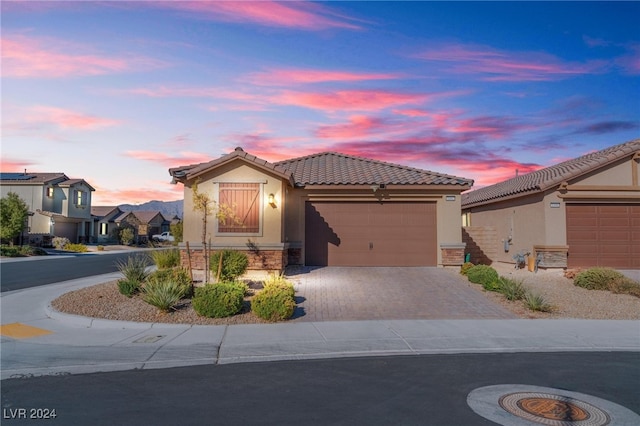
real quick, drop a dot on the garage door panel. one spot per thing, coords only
(603, 235)
(371, 234)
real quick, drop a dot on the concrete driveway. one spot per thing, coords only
(363, 293)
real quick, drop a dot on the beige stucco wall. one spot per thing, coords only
(271, 235)
(69, 207)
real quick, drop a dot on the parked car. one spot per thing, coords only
(165, 236)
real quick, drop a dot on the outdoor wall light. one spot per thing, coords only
(272, 200)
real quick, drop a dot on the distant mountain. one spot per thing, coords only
(167, 208)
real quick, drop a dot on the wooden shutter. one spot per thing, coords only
(243, 199)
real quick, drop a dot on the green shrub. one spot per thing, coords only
(482, 274)
(597, 278)
(493, 285)
(234, 264)
(465, 267)
(511, 289)
(166, 258)
(279, 282)
(10, 251)
(134, 268)
(127, 236)
(218, 300)
(274, 303)
(536, 302)
(78, 248)
(179, 276)
(128, 288)
(163, 294)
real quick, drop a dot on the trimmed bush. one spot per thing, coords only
(482, 274)
(60, 242)
(273, 304)
(511, 289)
(179, 276)
(134, 268)
(218, 300)
(128, 288)
(234, 264)
(164, 295)
(165, 259)
(536, 302)
(281, 283)
(78, 248)
(465, 267)
(597, 278)
(493, 285)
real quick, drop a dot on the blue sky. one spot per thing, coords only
(118, 92)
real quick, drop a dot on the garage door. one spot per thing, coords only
(603, 235)
(370, 234)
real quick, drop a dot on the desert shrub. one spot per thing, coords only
(597, 278)
(128, 288)
(163, 294)
(60, 242)
(179, 276)
(218, 300)
(100, 248)
(10, 251)
(134, 268)
(78, 248)
(234, 264)
(493, 285)
(465, 267)
(279, 282)
(126, 236)
(165, 258)
(536, 302)
(482, 274)
(625, 285)
(511, 289)
(274, 303)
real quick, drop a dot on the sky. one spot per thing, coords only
(116, 93)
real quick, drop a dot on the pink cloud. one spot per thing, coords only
(350, 100)
(68, 119)
(299, 15)
(28, 57)
(15, 164)
(286, 77)
(498, 65)
(166, 160)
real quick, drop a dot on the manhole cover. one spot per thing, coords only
(552, 409)
(525, 405)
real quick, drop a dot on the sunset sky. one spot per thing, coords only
(118, 92)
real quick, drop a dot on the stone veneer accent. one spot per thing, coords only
(452, 254)
(551, 256)
(262, 260)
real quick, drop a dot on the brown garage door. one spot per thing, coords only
(370, 234)
(603, 235)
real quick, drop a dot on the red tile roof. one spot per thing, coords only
(330, 168)
(546, 178)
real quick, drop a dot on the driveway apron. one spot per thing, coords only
(385, 293)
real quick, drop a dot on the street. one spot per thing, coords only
(407, 390)
(21, 274)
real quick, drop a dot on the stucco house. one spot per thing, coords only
(58, 206)
(325, 209)
(144, 223)
(579, 213)
(104, 223)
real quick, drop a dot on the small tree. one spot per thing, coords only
(176, 230)
(13, 213)
(126, 236)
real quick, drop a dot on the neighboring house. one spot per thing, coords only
(325, 209)
(580, 213)
(144, 223)
(104, 223)
(60, 206)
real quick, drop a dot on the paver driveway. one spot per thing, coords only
(362, 293)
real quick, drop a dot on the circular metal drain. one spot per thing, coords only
(553, 409)
(525, 405)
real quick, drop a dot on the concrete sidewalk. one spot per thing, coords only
(46, 342)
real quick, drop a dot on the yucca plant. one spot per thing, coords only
(165, 259)
(536, 302)
(134, 268)
(164, 295)
(511, 289)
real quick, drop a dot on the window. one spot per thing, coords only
(104, 228)
(242, 202)
(80, 198)
(50, 191)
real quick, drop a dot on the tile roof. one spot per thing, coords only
(102, 211)
(144, 216)
(546, 178)
(332, 168)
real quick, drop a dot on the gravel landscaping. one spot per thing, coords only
(567, 300)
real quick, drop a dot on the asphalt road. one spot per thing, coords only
(18, 275)
(411, 390)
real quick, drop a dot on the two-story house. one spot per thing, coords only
(58, 206)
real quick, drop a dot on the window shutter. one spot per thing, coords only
(243, 200)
